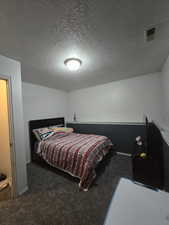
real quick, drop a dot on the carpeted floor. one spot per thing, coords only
(54, 198)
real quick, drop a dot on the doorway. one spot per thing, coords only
(7, 181)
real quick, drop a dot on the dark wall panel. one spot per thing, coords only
(122, 135)
(166, 165)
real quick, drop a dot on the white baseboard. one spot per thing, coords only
(23, 190)
(28, 161)
(124, 154)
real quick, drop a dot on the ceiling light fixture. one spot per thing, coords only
(73, 64)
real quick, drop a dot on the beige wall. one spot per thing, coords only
(5, 161)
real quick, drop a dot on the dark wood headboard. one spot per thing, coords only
(34, 124)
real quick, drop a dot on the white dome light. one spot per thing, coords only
(73, 64)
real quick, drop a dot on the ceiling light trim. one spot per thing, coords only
(73, 64)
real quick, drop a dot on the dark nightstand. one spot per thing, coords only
(147, 170)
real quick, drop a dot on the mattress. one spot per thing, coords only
(76, 154)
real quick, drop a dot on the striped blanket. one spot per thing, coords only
(76, 154)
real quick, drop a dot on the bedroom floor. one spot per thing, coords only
(54, 199)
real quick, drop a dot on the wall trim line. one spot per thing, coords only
(111, 123)
(24, 190)
(124, 154)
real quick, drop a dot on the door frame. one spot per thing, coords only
(11, 134)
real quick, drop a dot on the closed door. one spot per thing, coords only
(5, 151)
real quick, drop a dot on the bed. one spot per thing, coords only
(74, 153)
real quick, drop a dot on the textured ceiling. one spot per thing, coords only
(108, 36)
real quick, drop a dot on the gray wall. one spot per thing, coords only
(40, 103)
(121, 101)
(165, 92)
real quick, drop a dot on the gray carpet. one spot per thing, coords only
(54, 198)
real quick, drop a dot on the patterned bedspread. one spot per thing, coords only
(76, 154)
